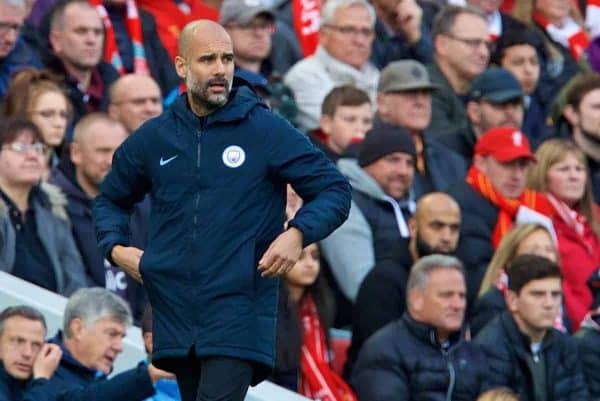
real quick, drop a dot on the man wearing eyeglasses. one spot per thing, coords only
(250, 26)
(342, 57)
(14, 53)
(461, 52)
(36, 244)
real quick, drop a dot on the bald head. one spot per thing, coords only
(435, 227)
(134, 99)
(197, 33)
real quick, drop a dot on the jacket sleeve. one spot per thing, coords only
(349, 252)
(376, 377)
(133, 384)
(124, 186)
(499, 363)
(578, 385)
(587, 341)
(325, 192)
(72, 264)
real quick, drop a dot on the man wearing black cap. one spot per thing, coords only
(382, 203)
(495, 100)
(405, 85)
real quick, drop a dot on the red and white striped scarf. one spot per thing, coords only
(495, 26)
(134, 29)
(307, 19)
(592, 17)
(571, 35)
(317, 379)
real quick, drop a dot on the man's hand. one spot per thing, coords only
(157, 374)
(128, 258)
(282, 254)
(409, 15)
(46, 361)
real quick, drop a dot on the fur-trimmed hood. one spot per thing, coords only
(48, 196)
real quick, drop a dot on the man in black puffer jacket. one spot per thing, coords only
(524, 351)
(423, 356)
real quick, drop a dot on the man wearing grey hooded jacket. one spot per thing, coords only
(382, 203)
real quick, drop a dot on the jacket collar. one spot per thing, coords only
(427, 333)
(242, 100)
(521, 342)
(69, 360)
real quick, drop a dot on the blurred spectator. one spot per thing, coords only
(461, 52)
(405, 85)
(492, 197)
(424, 354)
(518, 51)
(38, 96)
(133, 99)
(565, 42)
(94, 325)
(172, 15)
(131, 43)
(76, 39)
(305, 316)
(342, 58)
(166, 388)
(25, 359)
(495, 99)
(582, 116)
(382, 204)
(95, 139)
(15, 54)
(525, 353)
(400, 33)
(499, 394)
(250, 26)
(346, 116)
(382, 295)
(588, 338)
(37, 244)
(561, 172)
(498, 22)
(529, 238)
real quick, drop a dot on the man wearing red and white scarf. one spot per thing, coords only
(493, 197)
(498, 21)
(132, 44)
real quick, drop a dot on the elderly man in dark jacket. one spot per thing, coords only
(95, 322)
(423, 355)
(216, 166)
(524, 351)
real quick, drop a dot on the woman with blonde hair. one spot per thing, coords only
(562, 174)
(530, 238)
(38, 97)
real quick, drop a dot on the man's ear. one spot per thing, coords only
(512, 301)
(54, 41)
(415, 299)
(181, 67)
(479, 163)
(412, 226)
(571, 115)
(474, 112)
(75, 151)
(326, 124)
(76, 328)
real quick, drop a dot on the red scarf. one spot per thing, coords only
(307, 15)
(575, 221)
(134, 29)
(317, 379)
(508, 208)
(570, 35)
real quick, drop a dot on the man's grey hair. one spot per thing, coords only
(92, 304)
(444, 20)
(421, 270)
(14, 3)
(331, 6)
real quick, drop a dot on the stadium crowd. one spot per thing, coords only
(469, 130)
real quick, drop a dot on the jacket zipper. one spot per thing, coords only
(198, 135)
(452, 380)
